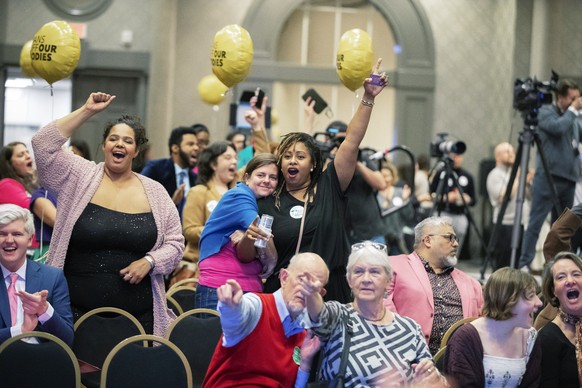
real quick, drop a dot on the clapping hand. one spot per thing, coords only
(425, 373)
(35, 304)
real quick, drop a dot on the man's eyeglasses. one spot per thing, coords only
(373, 244)
(451, 236)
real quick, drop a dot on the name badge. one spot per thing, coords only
(296, 212)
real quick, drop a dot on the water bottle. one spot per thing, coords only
(264, 224)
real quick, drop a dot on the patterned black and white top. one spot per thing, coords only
(379, 355)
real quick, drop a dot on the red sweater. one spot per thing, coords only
(263, 359)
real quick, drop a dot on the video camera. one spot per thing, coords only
(327, 141)
(530, 94)
(441, 146)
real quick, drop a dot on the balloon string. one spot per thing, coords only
(52, 104)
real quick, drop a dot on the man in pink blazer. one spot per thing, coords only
(427, 287)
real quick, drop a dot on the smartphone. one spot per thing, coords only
(248, 94)
(320, 103)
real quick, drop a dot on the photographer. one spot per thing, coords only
(559, 139)
(363, 220)
(452, 205)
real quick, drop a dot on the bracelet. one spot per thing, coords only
(150, 260)
(368, 103)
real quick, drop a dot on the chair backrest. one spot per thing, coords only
(99, 330)
(130, 364)
(191, 282)
(439, 359)
(174, 305)
(452, 329)
(204, 312)
(197, 338)
(50, 363)
(184, 295)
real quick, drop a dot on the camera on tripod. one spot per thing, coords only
(441, 146)
(530, 94)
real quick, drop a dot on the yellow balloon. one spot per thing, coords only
(274, 116)
(232, 54)
(211, 90)
(25, 61)
(55, 51)
(354, 58)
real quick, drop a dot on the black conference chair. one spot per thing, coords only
(197, 338)
(184, 296)
(97, 332)
(451, 330)
(190, 282)
(132, 365)
(48, 364)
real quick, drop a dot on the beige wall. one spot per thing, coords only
(476, 54)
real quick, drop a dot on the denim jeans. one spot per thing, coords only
(206, 297)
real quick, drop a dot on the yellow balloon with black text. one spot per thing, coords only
(354, 58)
(232, 54)
(211, 90)
(55, 51)
(25, 61)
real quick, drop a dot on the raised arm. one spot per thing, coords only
(310, 115)
(347, 154)
(96, 103)
(256, 117)
(374, 179)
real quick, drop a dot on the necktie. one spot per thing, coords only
(12, 297)
(181, 181)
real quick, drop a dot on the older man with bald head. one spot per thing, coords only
(497, 181)
(262, 333)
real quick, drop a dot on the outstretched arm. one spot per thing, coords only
(239, 314)
(311, 289)
(347, 154)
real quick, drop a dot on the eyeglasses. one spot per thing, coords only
(451, 236)
(373, 244)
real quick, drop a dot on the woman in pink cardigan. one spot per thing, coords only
(117, 233)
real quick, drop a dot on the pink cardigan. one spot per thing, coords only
(410, 292)
(76, 180)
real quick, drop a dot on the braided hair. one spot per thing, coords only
(286, 143)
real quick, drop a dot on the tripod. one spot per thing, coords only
(526, 137)
(442, 198)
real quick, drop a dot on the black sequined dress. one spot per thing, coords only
(103, 242)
